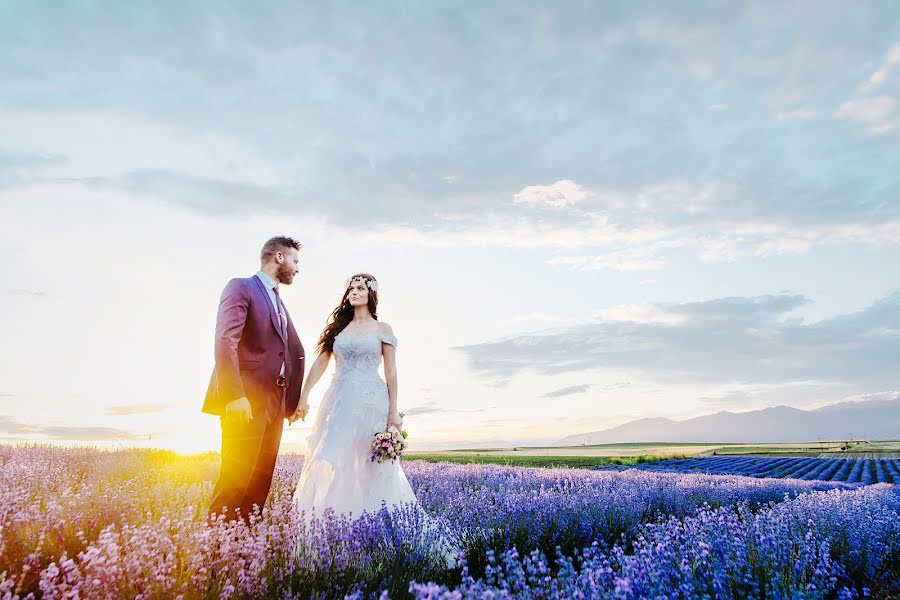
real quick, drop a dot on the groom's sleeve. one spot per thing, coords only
(229, 328)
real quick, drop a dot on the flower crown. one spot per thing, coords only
(370, 283)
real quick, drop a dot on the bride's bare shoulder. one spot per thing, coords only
(385, 328)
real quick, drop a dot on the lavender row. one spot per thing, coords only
(496, 508)
(838, 544)
(86, 523)
(856, 471)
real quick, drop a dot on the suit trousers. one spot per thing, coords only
(249, 452)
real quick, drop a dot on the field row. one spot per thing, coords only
(91, 524)
(863, 470)
(859, 455)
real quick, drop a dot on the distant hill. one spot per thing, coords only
(872, 419)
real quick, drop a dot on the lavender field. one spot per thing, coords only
(850, 470)
(84, 523)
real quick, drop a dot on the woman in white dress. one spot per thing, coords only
(338, 472)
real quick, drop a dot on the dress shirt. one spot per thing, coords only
(270, 285)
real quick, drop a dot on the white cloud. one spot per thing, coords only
(808, 394)
(878, 76)
(883, 396)
(638, 313)
(884, 128)
(498, 229)
(866, 110)
(874, 112)
(727, 341)
(891, 58)
(637, 232)
(557, 195)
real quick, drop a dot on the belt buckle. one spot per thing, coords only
(281, 381)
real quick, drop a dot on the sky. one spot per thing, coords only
(579, 213)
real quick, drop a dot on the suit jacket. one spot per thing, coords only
(249, 350)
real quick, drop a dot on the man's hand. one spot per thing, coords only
(300, 413)
(238, 411)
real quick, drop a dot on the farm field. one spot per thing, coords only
(632, 454)
(535, 460)
(850, 470)
(607, 450)
(880, 454)
(96, 524)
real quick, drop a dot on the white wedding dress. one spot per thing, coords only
(338, 472)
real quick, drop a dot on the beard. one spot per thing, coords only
(284, 274)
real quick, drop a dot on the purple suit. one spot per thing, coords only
(250, 348)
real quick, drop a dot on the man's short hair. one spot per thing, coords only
(278, 243)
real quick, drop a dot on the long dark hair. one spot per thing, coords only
(343, 314)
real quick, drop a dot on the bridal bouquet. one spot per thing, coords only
(388, 445)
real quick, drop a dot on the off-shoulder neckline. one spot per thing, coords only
(347, 335)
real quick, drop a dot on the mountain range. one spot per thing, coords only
(870, 419)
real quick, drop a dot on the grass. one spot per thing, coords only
(626, 454)
(607, 451)
(535, 461)
(848, 448)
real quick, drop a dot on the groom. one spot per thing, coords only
(257, 378)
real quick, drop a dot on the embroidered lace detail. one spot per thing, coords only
(359, 355)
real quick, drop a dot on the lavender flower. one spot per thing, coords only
(97, 524)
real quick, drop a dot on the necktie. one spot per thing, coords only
(282, 316)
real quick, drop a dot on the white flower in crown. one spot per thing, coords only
(371, 283)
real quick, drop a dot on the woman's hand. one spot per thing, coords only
(300, 412)
(396, 420)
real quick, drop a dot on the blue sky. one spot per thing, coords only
(580, 213)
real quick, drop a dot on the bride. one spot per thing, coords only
(337, 471)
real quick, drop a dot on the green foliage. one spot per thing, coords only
(519, 460)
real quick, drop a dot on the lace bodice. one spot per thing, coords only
(359, 355)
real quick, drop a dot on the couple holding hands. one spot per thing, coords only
(258, 382)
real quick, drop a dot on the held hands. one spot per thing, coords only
(300, 413)
(238, 411)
